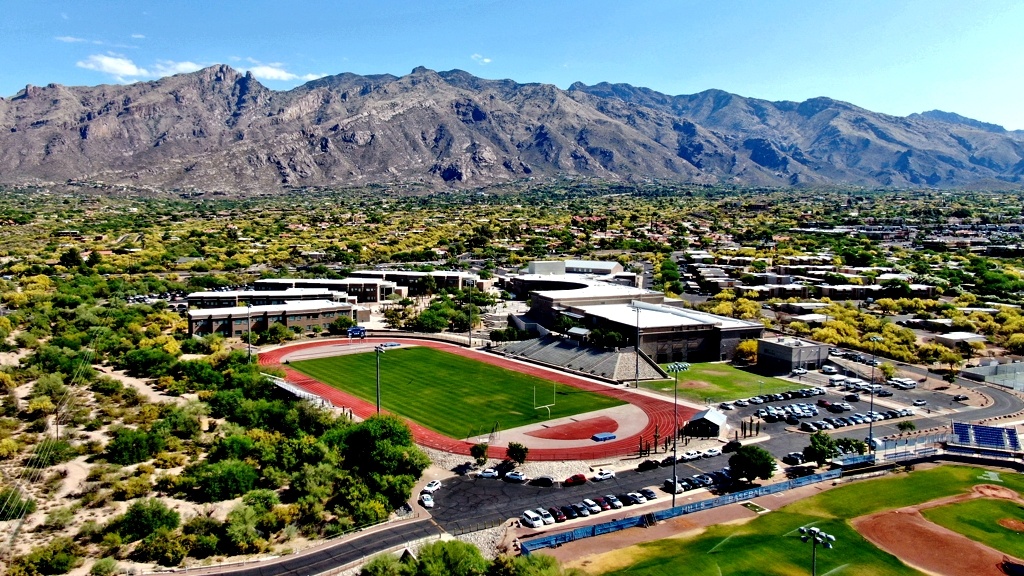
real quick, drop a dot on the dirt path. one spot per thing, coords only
(143, 387)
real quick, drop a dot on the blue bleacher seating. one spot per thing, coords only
(962, 432)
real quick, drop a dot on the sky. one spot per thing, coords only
(892, 56)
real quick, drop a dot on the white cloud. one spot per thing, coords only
(113, 64)
(480, 59)
(170, 67)
(138, 36)
(276, 71)
(69, 39)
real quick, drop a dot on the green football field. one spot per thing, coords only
(713, 382)
(770, 543)
(455, 396)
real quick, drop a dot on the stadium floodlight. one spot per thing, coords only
(816, 536)
(379, 349)
(871, 409)
(676, 368)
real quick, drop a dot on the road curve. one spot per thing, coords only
(659, 412)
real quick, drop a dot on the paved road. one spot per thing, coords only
(339, 554)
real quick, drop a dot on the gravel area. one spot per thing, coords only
(487, 541)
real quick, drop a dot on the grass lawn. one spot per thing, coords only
(770, 543)
(450, 394)
(720, 382)
(979, 520)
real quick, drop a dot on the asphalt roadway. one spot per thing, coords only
(333, 555)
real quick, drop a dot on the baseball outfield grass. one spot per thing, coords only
(980, 520)
(450, 394)
(770, 544)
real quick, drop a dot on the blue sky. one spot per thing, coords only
(896, 57)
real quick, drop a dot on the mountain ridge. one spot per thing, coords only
(218, 128)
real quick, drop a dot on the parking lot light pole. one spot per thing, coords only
(871, 409)
(676, 368)
(379, 349)
(815, 536)
(248, 330)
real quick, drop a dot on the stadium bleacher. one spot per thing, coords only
(985, 437)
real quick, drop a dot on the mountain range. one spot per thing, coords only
(218, 129)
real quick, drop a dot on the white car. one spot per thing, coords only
(799, 371)
(691, 455)
(725, 406)
(427, 500)
(603, 474)
(638, 497)
(742, 403)
(829, 370)
(592, 506)
(920, 402)
(515, 476)
(488, 473)
(712, 452)
(432, 486)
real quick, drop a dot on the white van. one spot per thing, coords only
(532, 519)
(837, 380)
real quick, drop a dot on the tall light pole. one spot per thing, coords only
(871, 409)
(815, 536)
(248, 332)
(675, 367)
(636, 383)
(379, 349)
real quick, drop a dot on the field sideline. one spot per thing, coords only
(455, 396)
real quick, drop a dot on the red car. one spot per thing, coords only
(575, 480)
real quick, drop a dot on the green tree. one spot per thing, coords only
(71, 259)
(450, 558)
(104, 567)
(384, 565)
(516, 452)
(821, 449)
(752, 462)
(143, 518)
(906, 426)
(341, 325)
(853, 445)
(479, 452)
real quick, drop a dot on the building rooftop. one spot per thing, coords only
(295, 306)
(261, 294)
(790, 341)
(595, 289)
(658, 316)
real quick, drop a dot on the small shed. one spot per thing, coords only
(707, 424)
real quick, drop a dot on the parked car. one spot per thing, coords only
(557, 514)
(673, 487)
(626, 499)
(575, 480)
(852, 397)
(515, 476)
(920, 402)
(725, 406)
(603, 503)
(432, 486)
(581, 509)
(570, 512)
(613, 501)
(690, 455)
(885, 393)
(427, 500)
(546, 516)
(637, 497)
(793, 458)
(712, 452)
(648, 465)
(648, 494)
(603, 475)
(799, 371)
(829, 370)
(543, 481)
(960, 397)
(488, 473)
(531, 519)
(592, 506)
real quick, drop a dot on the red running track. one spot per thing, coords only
(659, 412)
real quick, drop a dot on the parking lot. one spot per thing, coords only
(466, 502)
